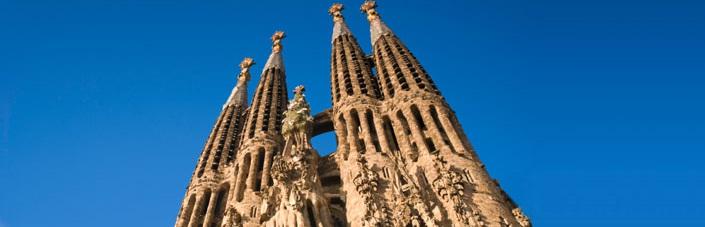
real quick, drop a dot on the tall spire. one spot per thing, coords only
(351, 74)
(270, 96)
(397, 68)
(239, 94)
(339, 27)
(275, 58)
(377, 27)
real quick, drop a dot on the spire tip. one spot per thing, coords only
(335, 11)
(246, 63)
(276, 41)
(369, 8)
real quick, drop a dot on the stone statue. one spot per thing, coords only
(297, 120)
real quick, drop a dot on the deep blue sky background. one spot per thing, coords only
(589, 112)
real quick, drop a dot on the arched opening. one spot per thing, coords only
(417, 116)
(404, 123)
(220, 204)
(391, 135)
(331, 181)
(203, 208)
(309, 213)
(357, 129)
(260, 168)
(188, 210)
(437, 122)
(373, 131)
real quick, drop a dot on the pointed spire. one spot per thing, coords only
(339, 26)
(239, 94)
(275, 59)
(377, 27)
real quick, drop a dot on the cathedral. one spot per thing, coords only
(402, 158)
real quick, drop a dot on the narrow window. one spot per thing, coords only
(186, 214)
(260, 167)
(356, 125)
(203, 208)
(309, 210)
(431, 146)
(404, 123)
(331, 181)
(417, 117)
(373, 130)
(437, 122)
(343, 131)
(220, 202)
(391, 136)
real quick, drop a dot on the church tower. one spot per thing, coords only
(261, 137)
(209, 187)
(402, 158)
(437, 154)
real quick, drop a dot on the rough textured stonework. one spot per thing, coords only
(402, 157)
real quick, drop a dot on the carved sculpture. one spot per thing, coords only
(295, 180)
(366, 183)
(232, 218)
(297, 120)
(449, 185)
(521, 217)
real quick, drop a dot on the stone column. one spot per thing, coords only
(193, 221)
(211, 208)
(252, 175)
(416, 132)
(352, 139)
(453, 135)
(366, 132)
(341, 134)
(381, 133)
(435, 133)
(241, 180)
(268, 158)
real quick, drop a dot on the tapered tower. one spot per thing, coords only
(435, 151)
(208, 189)
(261, 137)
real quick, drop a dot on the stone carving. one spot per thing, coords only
(296, 190)
(367, 184)
(297, 120)
(449, 185)
(521, 217)
(232, 218)
(410, 208)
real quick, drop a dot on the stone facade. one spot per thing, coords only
(402, 157)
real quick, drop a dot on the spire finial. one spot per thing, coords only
(335, 11)
(246, 64)
(245, 68)
(369, 8)
(276, 41)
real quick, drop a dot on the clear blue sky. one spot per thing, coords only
(589, 112)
